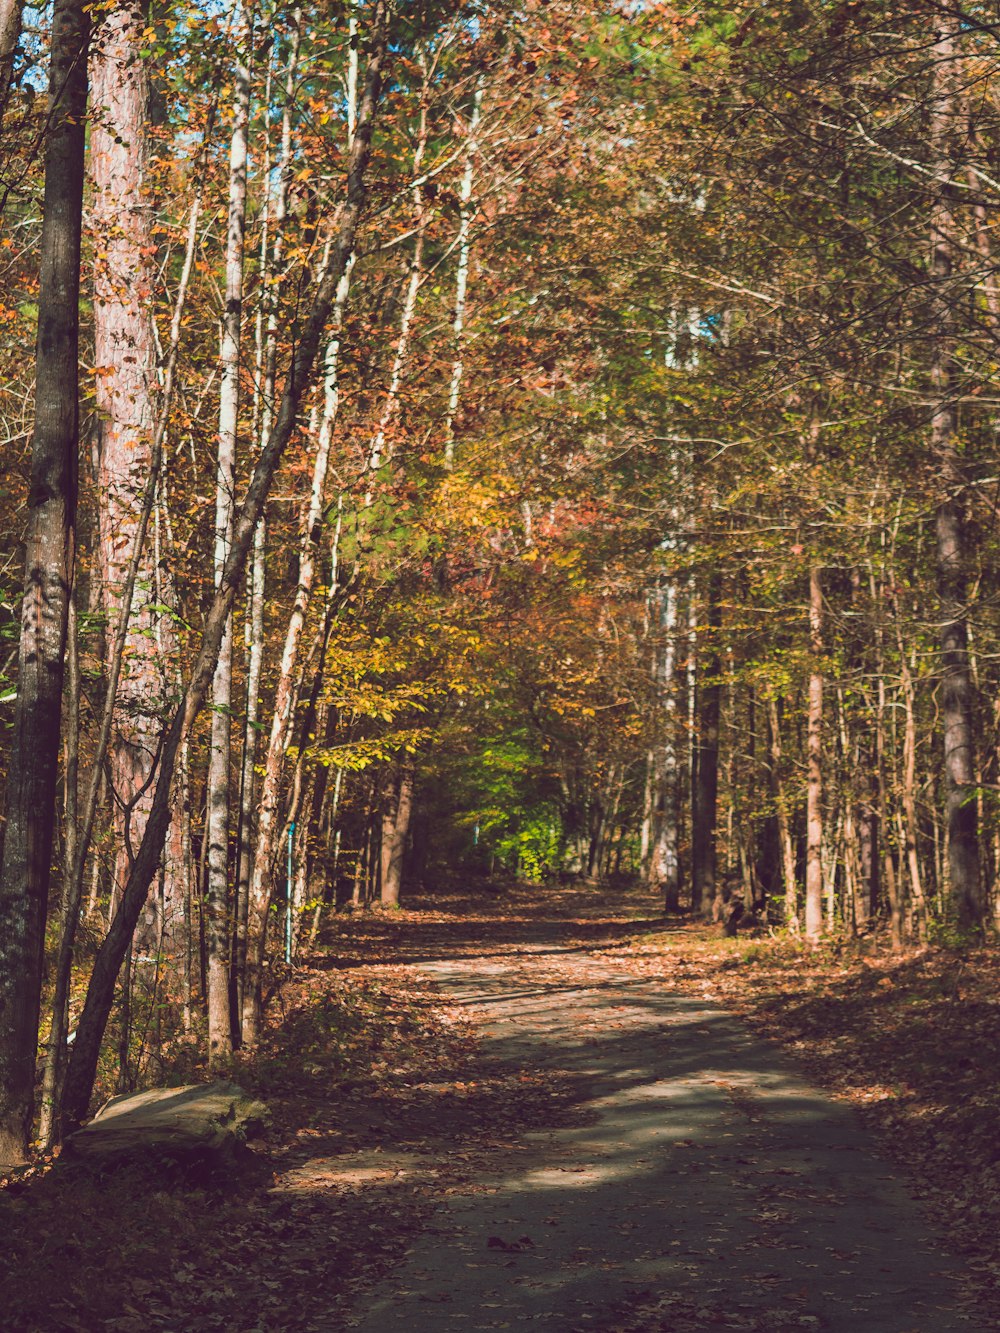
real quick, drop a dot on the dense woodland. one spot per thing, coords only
(456, 440)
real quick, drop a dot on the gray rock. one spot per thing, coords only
(198, 1120)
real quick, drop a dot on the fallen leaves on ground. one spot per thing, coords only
(359, 1066)
(911, 1038)
(383, 1105)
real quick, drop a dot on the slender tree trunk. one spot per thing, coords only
(706, 793)
(100, 993)
(648, 802)
(852, 869)
(49, 555)
(69, 907)
(958, 691)
(691, 684)
(909, 802)
(467, 212)
(868, 863)
(814, 775)
(267, 356)
(779, 795)
(889, 878)
(383, 445)
(664, 857)
(217, 897)
(957, 698)
(851, 825)
(330, 809)
(767, 858)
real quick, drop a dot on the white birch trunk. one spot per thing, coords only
(462, 276)
(378, 451)
(664, 863)
(219, 1039)
(266, 359)
(814, 776)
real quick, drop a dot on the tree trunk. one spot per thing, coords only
(100, 993)
(462, 275)
(217, 896)
(664, 860)
(648, 804)
(814, 771)
(284, 702)
(266, 369)
(69, 907)
(868, 859)
(958, 691)
(909, 799)
(395, 828)
(706, 793)
(383, 445)
(779, 796)
(125, 385)
(49, 554)
(10, 35)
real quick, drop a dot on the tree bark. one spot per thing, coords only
(395, 830)
(664, 858)
(814, 765)
(466, 215)
(706, 792)
(49, 555)
(217, 895)
(382, 447)
(788, 876)
(266, 369)
(76, 864)
(958, 691)
(10, 35)
(918, 901)
(125, 355)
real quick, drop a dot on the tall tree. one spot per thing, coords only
(125, 391)
(217, 832)
(958, 693)
(664, 776)
(814, 760)
(49, 555)
(704, 812)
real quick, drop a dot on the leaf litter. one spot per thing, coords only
(383, 1105)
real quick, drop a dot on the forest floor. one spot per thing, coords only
(533, 1106)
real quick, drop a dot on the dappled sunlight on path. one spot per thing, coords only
(703, 1182)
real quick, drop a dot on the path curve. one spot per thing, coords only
(706, 1185)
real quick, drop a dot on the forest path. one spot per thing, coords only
(702, 1184)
